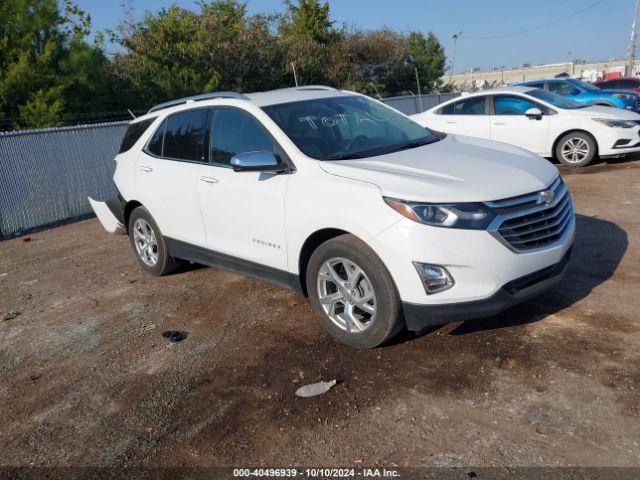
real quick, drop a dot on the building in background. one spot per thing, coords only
(589, 71)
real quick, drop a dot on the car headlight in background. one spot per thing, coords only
(624, 96)
(473, 216)
(616, 123)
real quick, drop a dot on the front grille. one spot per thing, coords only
(527, 223)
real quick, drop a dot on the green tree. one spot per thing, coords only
(45, 64)
(311, 43)
(429, 57)
(308, 19)
(178, 52)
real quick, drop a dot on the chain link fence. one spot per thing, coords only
(410, 104)
(46, 175)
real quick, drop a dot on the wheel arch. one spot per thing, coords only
(572, 130)
(603, 103)
(309, 246)
(129, 207)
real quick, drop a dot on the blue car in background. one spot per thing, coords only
(587, 94)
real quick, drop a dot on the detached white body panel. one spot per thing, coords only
(106, 217)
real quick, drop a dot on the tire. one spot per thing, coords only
(351, 305)
(576, 149)
(144, 230)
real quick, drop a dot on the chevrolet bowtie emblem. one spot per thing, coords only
(546, 197)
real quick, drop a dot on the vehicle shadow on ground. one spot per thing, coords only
(599, 248)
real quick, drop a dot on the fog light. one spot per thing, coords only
(434, 277)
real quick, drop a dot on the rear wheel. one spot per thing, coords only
(576, 149)
(148, 244)
(352, 293)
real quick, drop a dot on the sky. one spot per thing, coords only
(597, 33)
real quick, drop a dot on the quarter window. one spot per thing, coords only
(133, 133)
(234, 131)
(155, 144)
(468, 106)
(512, 105)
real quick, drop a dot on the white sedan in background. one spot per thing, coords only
(539, 121)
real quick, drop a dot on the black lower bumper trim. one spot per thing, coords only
(117, 205)
(419, 317)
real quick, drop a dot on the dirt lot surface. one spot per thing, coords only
(88, 378)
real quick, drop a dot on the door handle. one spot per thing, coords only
(499, 123)
(209, 180)
(146, 169)
(451, 121)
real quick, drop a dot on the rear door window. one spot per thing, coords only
(468, 106)
(185, 135)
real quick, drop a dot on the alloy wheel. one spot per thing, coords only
(575, 150)
(145, 241)
(346, 295)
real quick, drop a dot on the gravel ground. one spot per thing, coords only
(89, 380)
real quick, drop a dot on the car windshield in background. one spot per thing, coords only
(555, 99)
(347, 127)
(587, 86)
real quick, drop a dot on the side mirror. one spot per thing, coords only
(258, 161)
(534, 113)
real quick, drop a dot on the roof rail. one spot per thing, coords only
(198, 98)
(316, 87)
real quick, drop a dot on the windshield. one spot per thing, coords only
(585, 85)
(341, 128)
(555, 99)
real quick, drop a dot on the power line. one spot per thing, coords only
(539, 27)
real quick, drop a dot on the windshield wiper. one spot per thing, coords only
(412, 144)
(347, 156)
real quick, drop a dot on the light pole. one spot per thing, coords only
(453, 53)
(632, 40)
(411, 61)
(419, 92)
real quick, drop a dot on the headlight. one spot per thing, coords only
(473, 216)
(616, 123)
(624, 96)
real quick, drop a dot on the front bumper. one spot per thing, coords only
(618, 141)
(419, 316)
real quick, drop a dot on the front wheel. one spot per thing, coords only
(576, 149)
(352, 293)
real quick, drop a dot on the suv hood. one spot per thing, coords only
(600, 111)
(455, 169)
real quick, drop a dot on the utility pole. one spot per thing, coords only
(419, 92)
(453, 54)
(632, 41)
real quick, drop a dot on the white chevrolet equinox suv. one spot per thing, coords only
(346, 201)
